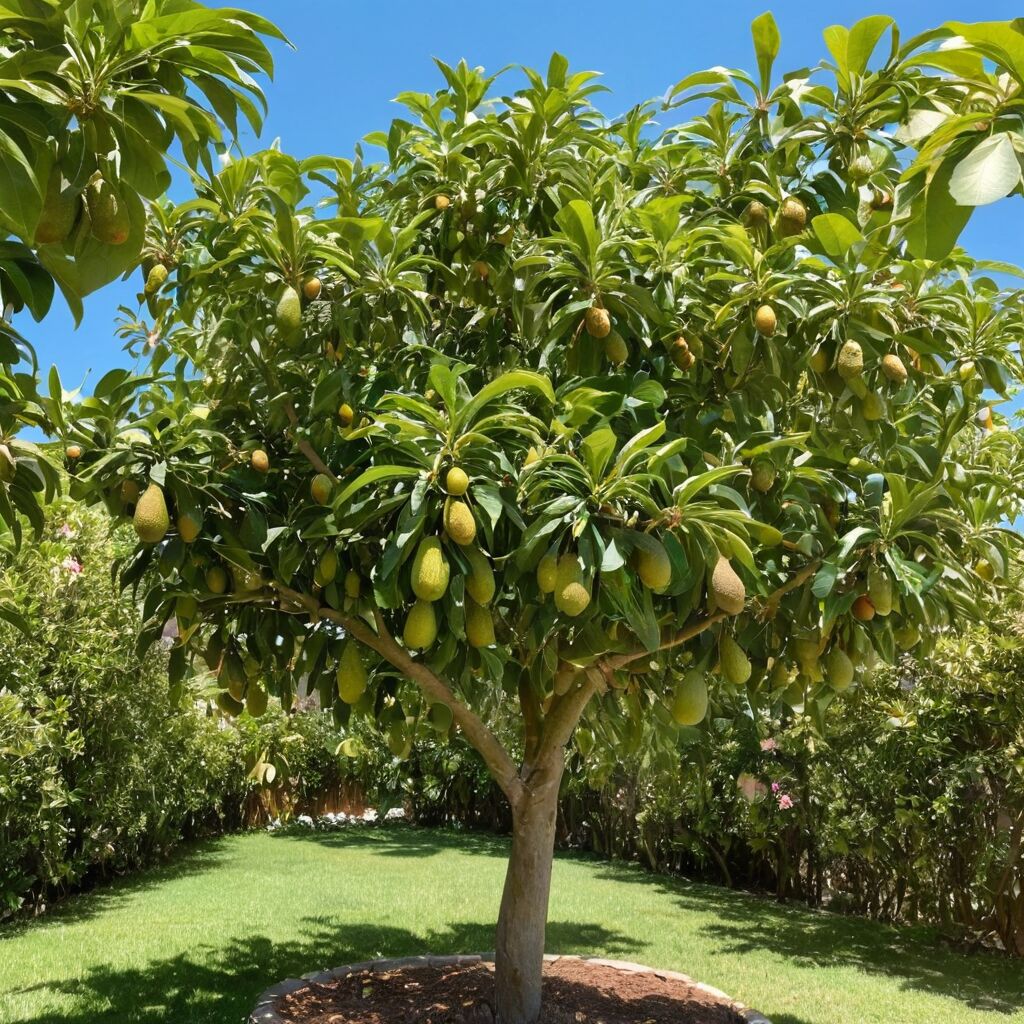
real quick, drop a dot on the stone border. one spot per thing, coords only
(266, 1014)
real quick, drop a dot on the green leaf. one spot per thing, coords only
(374, 475)
(577, 222)
(695, 484)
(766, 46)
(862, 41)
(21, 196)
(989, 172)
(836, 234)
(638, 443)
(526, 380)
(598, 448)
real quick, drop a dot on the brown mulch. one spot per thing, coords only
(574, 993)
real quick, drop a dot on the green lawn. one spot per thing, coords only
(197, 940)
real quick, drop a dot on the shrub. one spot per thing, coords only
(98, 771)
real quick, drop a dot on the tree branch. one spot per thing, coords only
(498, 762)
(688, 632)
(771, 604)
(305, 447)
(532, 719)
(565, 714)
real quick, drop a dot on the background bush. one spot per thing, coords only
(99, 770)
(908, 806)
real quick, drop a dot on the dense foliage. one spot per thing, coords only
(99, 771)
(716, 388)
(92, 98)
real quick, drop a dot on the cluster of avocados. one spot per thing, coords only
(64, 207)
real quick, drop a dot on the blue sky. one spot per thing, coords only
(352, 58)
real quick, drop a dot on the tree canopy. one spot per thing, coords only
(577, 414)
(92, 98)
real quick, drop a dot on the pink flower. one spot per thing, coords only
(785, 802)
(769, 745)
(775, 787)
(65, 531)
(71, 565)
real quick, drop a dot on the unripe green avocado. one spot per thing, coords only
(792, 216)
(459, 523)
(653, 566)
(690, 699)
(571, 594)
(440, 717)
(256, 700)
(108, 214)
(880, 589)
(616, 350)
(190, 525)
(726, 589)
(735, 664)
(479, 625)
(216, 580)
(229, 705)
(894, 370)
(420, 630)
(765, 320)
(480, 582)
(60, 211)
(547, 574)
(850, 362)
(288, 314)
(456, 482)
(838, 669)
(326, 568)
(151, 520)
(762, 475)
(872, 408)
(351, 677)
(155, 279)
(430, 570)
(320, 488)
(597, 322)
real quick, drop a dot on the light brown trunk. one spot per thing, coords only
(519, 947)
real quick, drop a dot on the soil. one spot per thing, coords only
(574, 993)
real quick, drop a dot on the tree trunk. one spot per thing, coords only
(519, 948)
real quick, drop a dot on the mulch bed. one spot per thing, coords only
(574, 993)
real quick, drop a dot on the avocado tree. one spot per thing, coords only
(92, 97)
(577, 423)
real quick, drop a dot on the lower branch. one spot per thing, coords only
(305, 447)
(670, 640)
(473, 728)
(771, 604)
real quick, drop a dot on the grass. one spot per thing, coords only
(195, 941)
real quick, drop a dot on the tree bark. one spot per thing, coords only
(519, 947)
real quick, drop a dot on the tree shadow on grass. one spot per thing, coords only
(748, 923)
(220, 985)
(397, 840)
(188, 859)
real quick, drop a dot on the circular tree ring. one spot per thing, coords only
(266, 1012)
